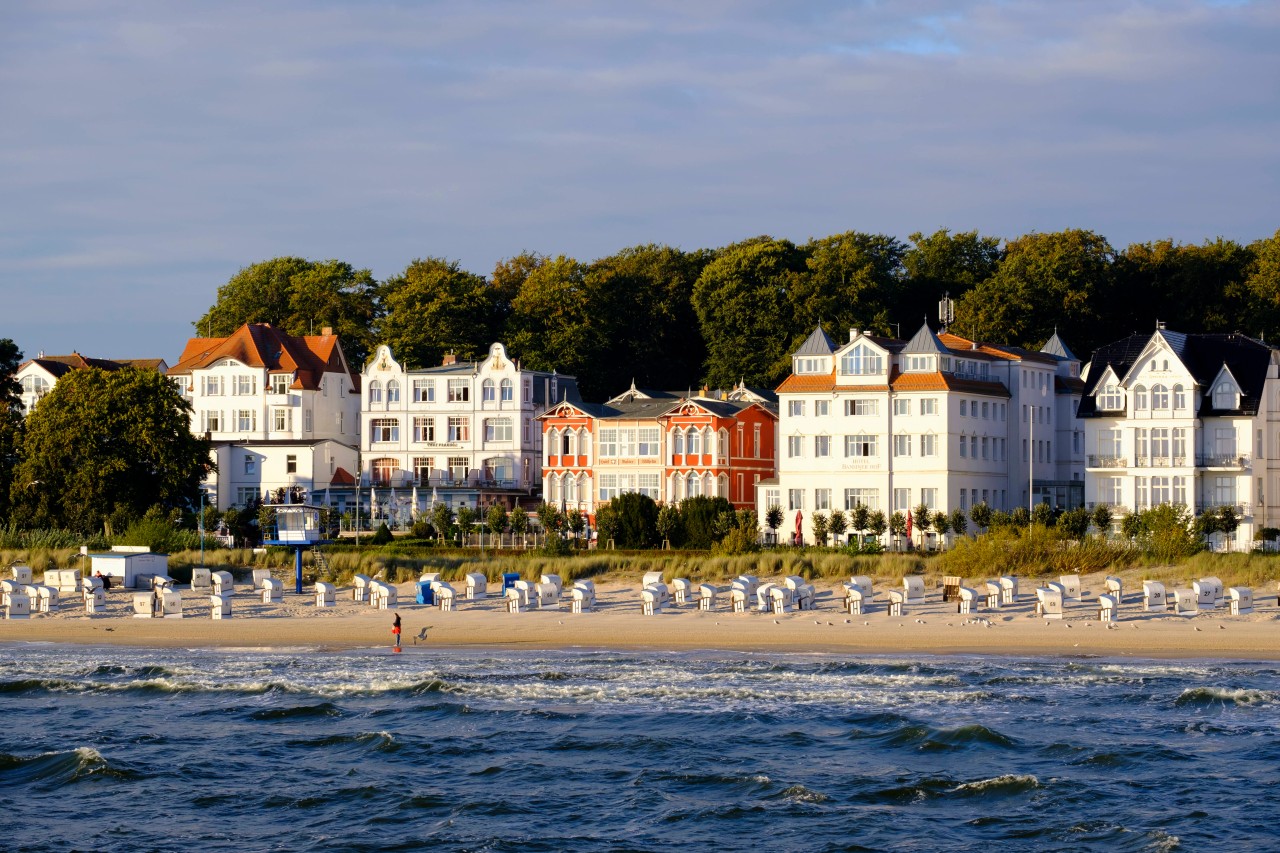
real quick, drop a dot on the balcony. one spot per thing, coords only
(1160, 462)
(1223, 460)
(1108, 462)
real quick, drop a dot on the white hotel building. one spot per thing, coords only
(938, 420)
(1191, 419)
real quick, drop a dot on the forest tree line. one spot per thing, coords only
(673, 319)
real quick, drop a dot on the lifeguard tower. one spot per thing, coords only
(298, 527)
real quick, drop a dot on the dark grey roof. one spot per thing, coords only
(1057, 348)
(818, 343)
(1203, 354)
(924, 342)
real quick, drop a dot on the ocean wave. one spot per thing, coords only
(801, 794)
(364, 741)
(62, 767)
(927, 738)
(1003, 785)
(297, 712)
(1242, 697)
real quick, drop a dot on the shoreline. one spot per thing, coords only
(931, 628)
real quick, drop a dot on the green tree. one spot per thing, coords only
(497, 519)
(1168, 531)
(668, 524)
(742, 535)
(1045, 282)
(1263, 285)
(1042, 514)
(860, 520)
(607, 523)
(382, 536)
(1074, 523)
(1020, 517)
(520, 523)
(465, 515)
(637, 520)
(1202, 288)
(945, 263)
(1101, 519)
(959, 523)
(698, 516)
(300, 297)
(575, 521)
(819, 522)
(773, 520)
(10, 420)
(850, 281)
(877, 525)
(744, 301)
(107, 440)
(837, 524)
(921, 518)
(550, 519)
(1131, 526)
(1228, 522)
(941, 525)
(981, 514)
(442, 520)
(898, 525)
(433, 308)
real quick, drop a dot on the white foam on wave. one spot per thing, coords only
(1007, 780)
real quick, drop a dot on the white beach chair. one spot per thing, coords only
(804, 593)
(749, 584)
(144, 605)
(1107, 605)
(994, 594)
(1153, 596)
(1219, 597)
(326, 594)
(1115, 589)
(477, 586)
(94, 596)
(1206, 594)
(582, 597)
(1008, 589)
(517, 600)
(45, 599)
(554, 579)
(528, 590)
(681, 590)
(548, 594)
(650, 578)
(15, 602)
(764, 600)
(260, 575)
(707, 596)
(223, 583)
(1070, 588)
(781, 599)
(219, 606)
(855, 601)
(863, 583)
(272, 591)
(897, 602)
(913, 588)
(445, 596)
(1186, 602)
(170, 601)
(967, 600)
(1241, 598)
(738, 598)
(21, 574)
(360, 587)
(652, 599)
(201, 580)
(429, 577)
(1049, 602)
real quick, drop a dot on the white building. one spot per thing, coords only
(37, 376)
(1189, 419)
(283, 412)
(937, 420)
(464, 431)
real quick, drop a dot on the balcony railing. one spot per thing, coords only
(1223, 460)
(1108, 462)
(1160, 462)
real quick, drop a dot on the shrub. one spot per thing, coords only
(382, 536)
(699, 515)
(637, 520)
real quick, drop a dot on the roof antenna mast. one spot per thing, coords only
(946, 312)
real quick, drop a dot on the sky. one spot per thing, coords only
(149, 150)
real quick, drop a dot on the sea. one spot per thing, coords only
(118, 749)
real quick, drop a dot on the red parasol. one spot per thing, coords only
(908, 524)
(799, 527)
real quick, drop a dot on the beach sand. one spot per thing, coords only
(932, 628)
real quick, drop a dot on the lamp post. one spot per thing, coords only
(201, 520)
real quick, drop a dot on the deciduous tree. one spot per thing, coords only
(434, 307)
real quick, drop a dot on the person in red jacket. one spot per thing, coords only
(395, 631)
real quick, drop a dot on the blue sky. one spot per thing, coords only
(150, 149)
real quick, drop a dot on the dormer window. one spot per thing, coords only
(862, 360)
(1225, 396)
(1111, 398)
(919, 363)
(811, 365)
(280, 383)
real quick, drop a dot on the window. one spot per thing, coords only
(459, 466)
(795, 498)
(508, 390)
(422, 469)
(250, 464)
(986, 449)
(870, 498)
(375, 391)
(1109, 491)
(693, 442)
(568, 443)
(964, 447)
(693, 487)
(795, 445)
(929, 406)
(648, 442)
(609, 443)
(497, 429)
(393, 391)
(1160, 491)
(246, 420)
(928, 445)
(649, 484)
(860, 445)
(1139, 398)
(862, 360)
(901, 500)
(902, 445)
(1224, 491)
(1160, 445)
(246, 386)
(626, 443)
(424, 429)
(973, 446)
(822, 408)
(1180, 446)
(917, 363)
(822, 499)
(811, 365)
(1110, 398)
(246, 495)
(821, 445)
(291, 464)
(929, 497)
(1160, 397)
(424, 390)
(1224, 395)
(901, 407)
(1224, 441)
(1179, 397)
(986, 411)
(795, 408)
(1180, 490)
(384, 429)
(282, 419)
(212, 421)
(964, 408)
(306, 419)
(862, 406)
(459, 428)
(489, 391)
(459, 390)
(1110, 443)
(212, 386)
(756, 438)
(280, 383)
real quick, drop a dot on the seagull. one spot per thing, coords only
(1223, 627)
(1197, 627)
(776, 622)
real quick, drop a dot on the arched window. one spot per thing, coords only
(584, 488)
(862, 360)
(677, 488)
(708, 441)
(1224, 396)
(570, 488)
(1179, 397)
(722, 486)
(570, 443)
(1139, 398)
(384, 470)
(722, 445)
(393, 391)
(508, 390)
(584, 442)
(708, 484)
(677, 442)
(1160, 397)
(1111, 398)
(489, 391)
(553, 489)
(693, 442)
(35, 385)
(375, 391)
(693, 486)
(553, 443)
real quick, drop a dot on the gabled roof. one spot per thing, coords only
(1204, 355)
(818, 343)
(1057, 348)
(59, 365)
(924, 342)
(262, 345)
(938, 381)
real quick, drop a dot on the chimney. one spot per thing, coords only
(853, 333)
(327, 331)
(449, 358)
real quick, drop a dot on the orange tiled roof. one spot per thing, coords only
(808, 382)
(959, 346)
(264, 346)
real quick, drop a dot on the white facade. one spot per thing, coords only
(938, 420)
(1190, 420)
(37, 376)
(466, 429)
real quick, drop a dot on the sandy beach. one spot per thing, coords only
(932, 628)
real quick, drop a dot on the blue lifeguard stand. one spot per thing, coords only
(298, 527)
